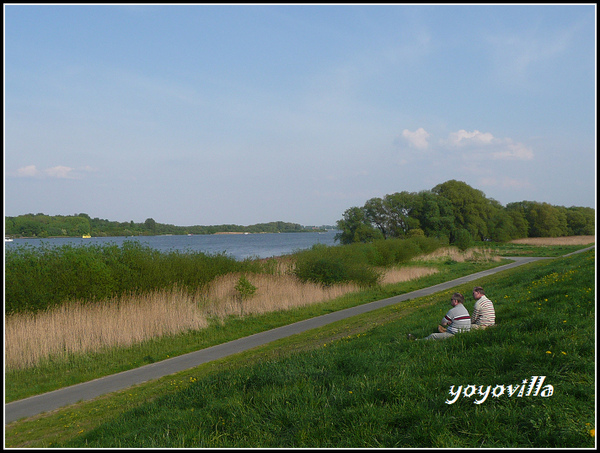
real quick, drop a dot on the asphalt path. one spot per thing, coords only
(85, 391)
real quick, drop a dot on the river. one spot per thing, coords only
(239, 246)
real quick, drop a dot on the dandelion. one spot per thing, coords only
(548, 352)
(593, 432)
(563, 352)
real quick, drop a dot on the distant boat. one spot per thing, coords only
(7, 239)
(85, 236)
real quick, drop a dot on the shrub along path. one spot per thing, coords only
(88, 390)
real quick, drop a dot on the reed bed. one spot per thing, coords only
(273, 293)
(476, 254)
(78, 328)
(565, 240)
(403, 274)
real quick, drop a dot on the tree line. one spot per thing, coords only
(78, 225)
(458, 213)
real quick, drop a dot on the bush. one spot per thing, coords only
(37, 278)
(244, 288)
(337, 264)
(463, 240)
(397, 251)
(356, 262)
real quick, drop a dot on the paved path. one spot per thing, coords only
(88, 390)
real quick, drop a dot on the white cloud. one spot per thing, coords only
(513, 151)
(58, 172)
(484, 143)
(463, 138)
(28, 172)
(417, 139)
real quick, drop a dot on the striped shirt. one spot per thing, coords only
(483, 312)
(459, 319)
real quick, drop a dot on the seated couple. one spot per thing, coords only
(458, 319)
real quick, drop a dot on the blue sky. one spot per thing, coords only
(204, 115)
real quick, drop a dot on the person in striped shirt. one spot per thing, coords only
(455, 321)
(484, 314)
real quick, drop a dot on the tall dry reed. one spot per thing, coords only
(273, 293)
(403, 274)
(79, 328)
(473, 254)
(565, 240)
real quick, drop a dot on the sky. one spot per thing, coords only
(244, 114)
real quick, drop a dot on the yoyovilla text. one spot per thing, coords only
(528, 387)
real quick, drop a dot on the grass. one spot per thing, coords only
(359, 383)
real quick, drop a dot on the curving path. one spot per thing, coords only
(34, 405)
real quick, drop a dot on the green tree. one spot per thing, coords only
(399, 208)
(26, 226)
(79, 226)
(355, 227)
(245, 290)
(463, 239)
(500, 224)
(516, 211)
(376, 214)
(434, 213)
(546, 220)
(150, 225)
(470, 206)
(580, 221)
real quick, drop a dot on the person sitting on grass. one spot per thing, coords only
(484, 314)
(456, 320)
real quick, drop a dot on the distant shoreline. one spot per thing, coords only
(230, 232)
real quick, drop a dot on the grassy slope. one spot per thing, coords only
(359, 383)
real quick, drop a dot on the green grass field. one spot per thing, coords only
(360, 383)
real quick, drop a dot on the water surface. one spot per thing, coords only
(239, 246)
